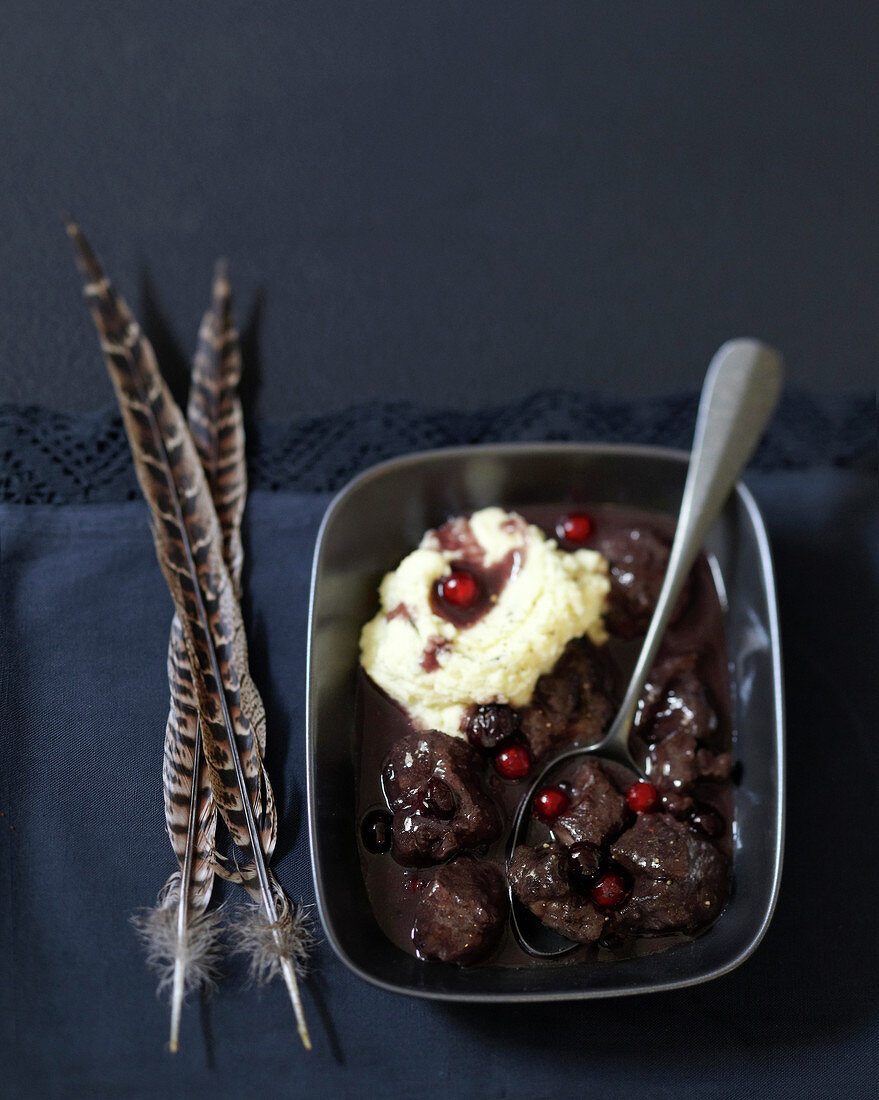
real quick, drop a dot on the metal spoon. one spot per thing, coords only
(739, 394)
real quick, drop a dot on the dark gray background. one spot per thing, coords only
(454, 203)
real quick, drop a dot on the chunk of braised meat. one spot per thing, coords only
(679, 761)
(638, 560)
(541, 880)
(675, 700)
(461, 912)
(676, 802)
(598, 812)
(677, 765)
(432, 784)
(680, 881)
(574, 701)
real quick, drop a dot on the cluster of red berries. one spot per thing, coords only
(493, 729)
(608, 889)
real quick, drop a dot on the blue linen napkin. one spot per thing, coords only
(83, 700)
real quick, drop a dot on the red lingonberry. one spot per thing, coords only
(609, 890)
(550, 803)
(513, 762)
(575, 527)
(642, 797)
(459, 588)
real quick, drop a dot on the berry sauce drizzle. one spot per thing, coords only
(487, 584)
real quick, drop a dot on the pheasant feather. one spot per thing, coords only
(189, 547)
(216, 425)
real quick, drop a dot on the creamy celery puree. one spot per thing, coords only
(436, 669)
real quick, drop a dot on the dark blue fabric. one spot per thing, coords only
(83, 699)
(57, 458)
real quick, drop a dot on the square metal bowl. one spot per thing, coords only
(369, 527)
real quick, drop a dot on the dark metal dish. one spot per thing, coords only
(368, 528)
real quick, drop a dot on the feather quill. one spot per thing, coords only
(189, 547)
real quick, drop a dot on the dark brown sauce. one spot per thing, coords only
(393, 890)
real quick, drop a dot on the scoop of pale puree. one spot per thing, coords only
(550, 597)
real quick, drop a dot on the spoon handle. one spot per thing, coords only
(739, 394)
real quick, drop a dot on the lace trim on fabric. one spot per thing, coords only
(51, 457)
